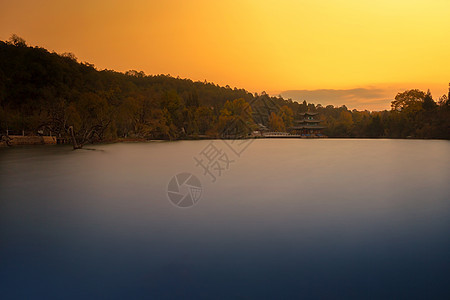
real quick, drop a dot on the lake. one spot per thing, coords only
(269, 218)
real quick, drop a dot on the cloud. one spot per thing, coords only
(359, 98)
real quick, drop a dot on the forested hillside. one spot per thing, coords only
(42, 91)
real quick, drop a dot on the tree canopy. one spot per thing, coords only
(42, 91)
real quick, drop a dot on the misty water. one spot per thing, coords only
(288, 218)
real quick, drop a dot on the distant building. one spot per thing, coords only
(307, 125)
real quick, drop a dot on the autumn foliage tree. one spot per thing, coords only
(287, 115)
(235, 119)
(88, 119)
(408, 101)
(276, 123)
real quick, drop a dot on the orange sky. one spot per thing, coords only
(273, 46)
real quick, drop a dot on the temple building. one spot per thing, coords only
(308, 125)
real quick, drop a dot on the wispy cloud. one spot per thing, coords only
(358, 98)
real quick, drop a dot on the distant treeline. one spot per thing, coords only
(42, 92)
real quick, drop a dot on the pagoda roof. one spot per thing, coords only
(307, 127)
(309, 113)
(307, 121)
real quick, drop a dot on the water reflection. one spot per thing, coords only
(291, 218)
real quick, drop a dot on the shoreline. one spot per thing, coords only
(46, 140)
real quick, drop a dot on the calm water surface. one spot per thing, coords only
(290, 218)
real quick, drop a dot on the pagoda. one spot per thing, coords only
(308, 125)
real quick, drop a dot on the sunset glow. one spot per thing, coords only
(273, 46)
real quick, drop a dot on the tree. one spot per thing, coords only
(236, 119)
(428, 102)
(344, 123)
(443, 100)
(175, 106)
(375, 127)
(17, 41)
(276, 123)
(134, 73)
(287, 115)
(408, 101)
(205, 119)
(88, 119)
